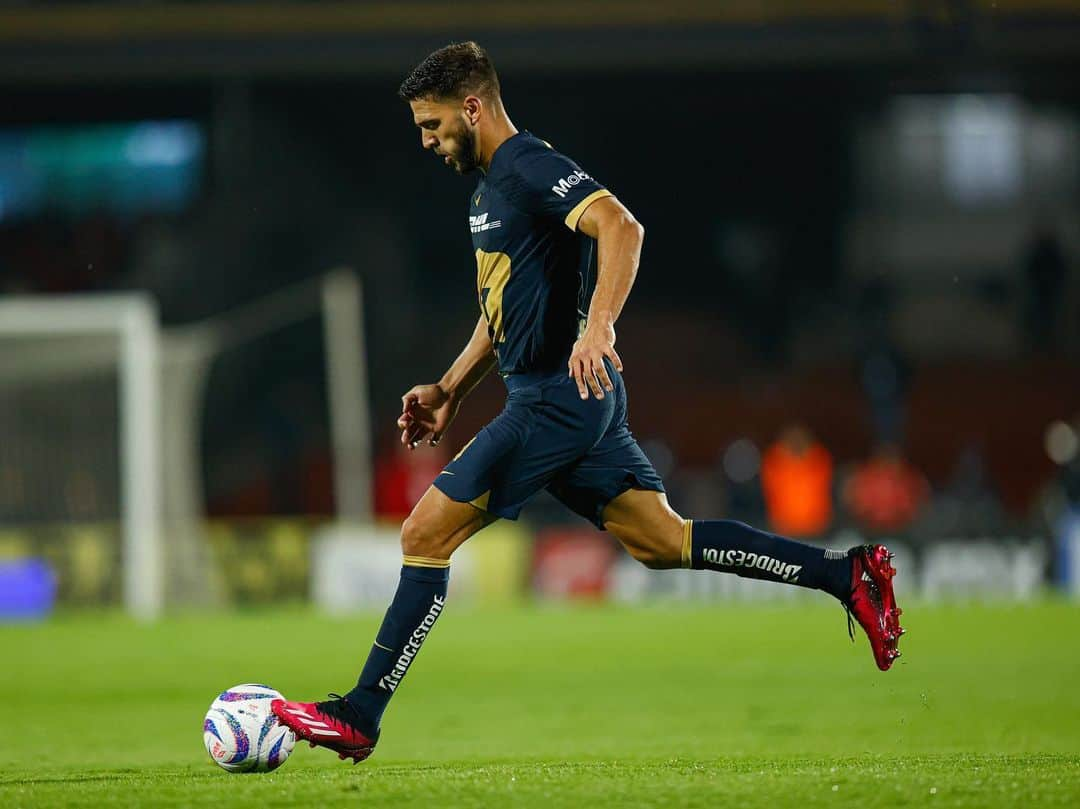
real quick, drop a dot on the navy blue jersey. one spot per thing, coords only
(533, 265)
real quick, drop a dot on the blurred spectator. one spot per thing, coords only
(883, 373)
(885, 492)
(1046, 269)
(796, 478)
(741, 465)
(968, 506)
(1061, 501)
(884, 380)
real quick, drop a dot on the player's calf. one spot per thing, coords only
(655, 553)
(861, 578)
(648, 528)
(734, 547)
(350, 725)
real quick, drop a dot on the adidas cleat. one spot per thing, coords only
(331, 724)
(872, 603)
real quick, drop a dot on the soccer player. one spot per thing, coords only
(534, 218)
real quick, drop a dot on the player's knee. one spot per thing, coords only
(418, 539)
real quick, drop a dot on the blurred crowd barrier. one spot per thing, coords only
(344, 568)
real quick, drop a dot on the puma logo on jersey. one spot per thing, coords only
(562, 188)
(480, 223)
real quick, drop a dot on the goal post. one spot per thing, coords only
(347, 374)
(75, 365)
(133, 320)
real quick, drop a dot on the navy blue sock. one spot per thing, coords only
(419, 600)
(734, 547)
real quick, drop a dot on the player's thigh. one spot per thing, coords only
(438, 525)
(648, 526)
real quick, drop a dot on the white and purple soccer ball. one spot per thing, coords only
(241, 734)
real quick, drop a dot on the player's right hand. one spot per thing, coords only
(426, 413)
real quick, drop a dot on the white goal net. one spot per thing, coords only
(101, 413)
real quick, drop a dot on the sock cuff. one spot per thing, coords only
(687, 542)
(423, 569)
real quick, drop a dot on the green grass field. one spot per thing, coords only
(592, 705)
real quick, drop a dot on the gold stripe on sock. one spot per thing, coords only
(687, 542)
(424, 561)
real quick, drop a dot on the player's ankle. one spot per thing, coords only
(359, 719)
(837, 579)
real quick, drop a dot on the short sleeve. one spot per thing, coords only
(547, 183)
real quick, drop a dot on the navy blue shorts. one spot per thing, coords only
(548, 437)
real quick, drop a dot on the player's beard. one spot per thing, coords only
(464, 160)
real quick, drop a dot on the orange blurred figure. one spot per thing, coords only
(796, 477)
(885, 492)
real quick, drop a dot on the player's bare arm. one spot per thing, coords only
(428, 410)
(619, 237)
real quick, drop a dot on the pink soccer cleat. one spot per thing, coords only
(872, 602)
(330, 724)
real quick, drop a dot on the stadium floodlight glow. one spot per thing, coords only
(133, 319)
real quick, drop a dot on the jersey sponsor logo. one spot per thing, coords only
(480, 223)
(759, 561)
(562, 188)
(388, 682)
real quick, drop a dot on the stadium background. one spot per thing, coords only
(857, 314)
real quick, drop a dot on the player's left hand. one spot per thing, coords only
(587, 360)
(426, 413)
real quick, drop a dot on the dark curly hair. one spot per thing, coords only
(458, 70)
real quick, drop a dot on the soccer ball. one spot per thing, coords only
(240, 732)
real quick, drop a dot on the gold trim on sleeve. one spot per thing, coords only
(574, 215)
(424, 561)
